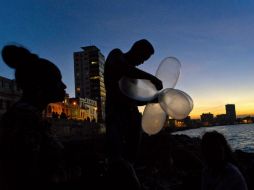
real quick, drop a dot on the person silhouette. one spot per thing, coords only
(30, 153)
(123, 120)
(220, 172)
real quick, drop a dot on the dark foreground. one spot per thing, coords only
(165, 161)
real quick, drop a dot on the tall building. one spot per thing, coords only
(89, 77)
(231, 113)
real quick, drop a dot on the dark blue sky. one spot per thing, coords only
(213, 39)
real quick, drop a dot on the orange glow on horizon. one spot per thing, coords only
(242, 109)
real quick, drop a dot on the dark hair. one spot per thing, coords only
(30, 69)
(143, 45)
(215, 139)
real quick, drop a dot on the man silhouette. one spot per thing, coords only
(31, 155)
(123, 120)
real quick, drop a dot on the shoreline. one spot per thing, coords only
(176, 129)
(164, 161)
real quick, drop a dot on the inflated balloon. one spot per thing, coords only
(172, 102)
(138, 89)
(168, 72)
(153, 118)
(175, 103)
(189, 98)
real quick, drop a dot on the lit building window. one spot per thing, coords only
(94, 62)
(78, 89)
(95, 77)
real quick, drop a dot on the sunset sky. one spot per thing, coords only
(213, 39)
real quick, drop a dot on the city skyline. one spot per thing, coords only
(212, 39)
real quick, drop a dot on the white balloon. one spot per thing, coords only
(168, 72)
(175, 103)
(138, 89)
(153, 118)
(189, 98)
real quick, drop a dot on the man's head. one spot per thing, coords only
(215, 149)
(140, 51)
(35, 75)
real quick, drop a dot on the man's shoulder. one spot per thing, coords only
(115, 56)
(232, 169)
(116, 52)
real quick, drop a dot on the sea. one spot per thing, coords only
(238, 136)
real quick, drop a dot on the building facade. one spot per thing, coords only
(207, 119)
(89, 77)
(231, 113)
(84, 109)
(73, 108)
(221, 119)
(9, 94)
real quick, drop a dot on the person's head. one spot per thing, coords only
(38, 78)
(140, 51)
(215, 149)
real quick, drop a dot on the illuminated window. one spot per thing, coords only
(95, 77)
(78, 89)
(94, 62)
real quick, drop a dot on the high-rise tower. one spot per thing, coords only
(89, 77)
(231, 113)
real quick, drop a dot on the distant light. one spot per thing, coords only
(95, 77)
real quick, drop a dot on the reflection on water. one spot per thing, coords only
(238, 136)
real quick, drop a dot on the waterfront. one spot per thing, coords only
(239, 136)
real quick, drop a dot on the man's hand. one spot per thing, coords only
(157, 82)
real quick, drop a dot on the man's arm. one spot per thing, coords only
(123, 68)
(133, 72)
(142, 103)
